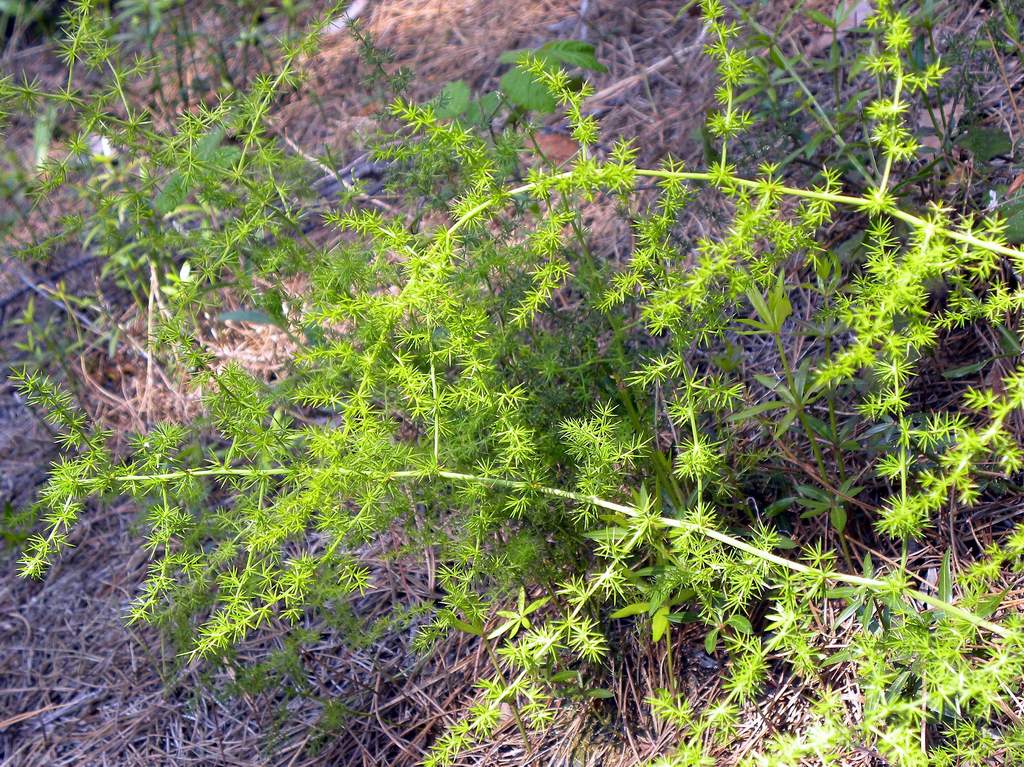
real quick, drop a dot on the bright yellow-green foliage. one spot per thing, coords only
(537, 450)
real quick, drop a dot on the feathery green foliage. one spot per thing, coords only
(438, 371)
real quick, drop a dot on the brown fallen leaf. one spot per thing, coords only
(558, 148)
(1016, 184)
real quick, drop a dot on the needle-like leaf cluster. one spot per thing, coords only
(581, 441)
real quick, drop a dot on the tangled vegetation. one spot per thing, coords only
(583, 442)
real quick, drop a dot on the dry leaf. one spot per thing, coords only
(558, 148)
(1017, 183)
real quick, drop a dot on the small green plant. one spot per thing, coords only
(569, 483)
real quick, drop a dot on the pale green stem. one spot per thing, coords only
(437, 424)
(860, 203)
(873, 584)
(889, 157)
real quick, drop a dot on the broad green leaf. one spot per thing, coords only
(820, 18)
(174, 193)
(481, 111)
(566, 676)
(945, 586)
(760, 306)
(659, 623)
(522, 90)
(453, 100)
(255, 316)
(1008, 342)
(985, 143)
(965, 370)
(711, 641)
(897, 685)
(224, 157)
(1015, 224)
(990, 604)
(207, 150)
(785, 423)
(606, 533)
(762, 407)
(844, 655)
(520, 87)
(629, 610)
(838, 518)
(207, 146)
(779, 506)
(849, 612)
(501, 629)
(740, 623)
(466, 627)
(687, 616)
(536, 604)
(573, 52)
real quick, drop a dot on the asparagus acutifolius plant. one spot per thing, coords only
(588, 460)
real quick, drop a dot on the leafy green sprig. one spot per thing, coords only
(409, 396)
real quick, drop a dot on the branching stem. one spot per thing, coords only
(873, 584)
(859, 203)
